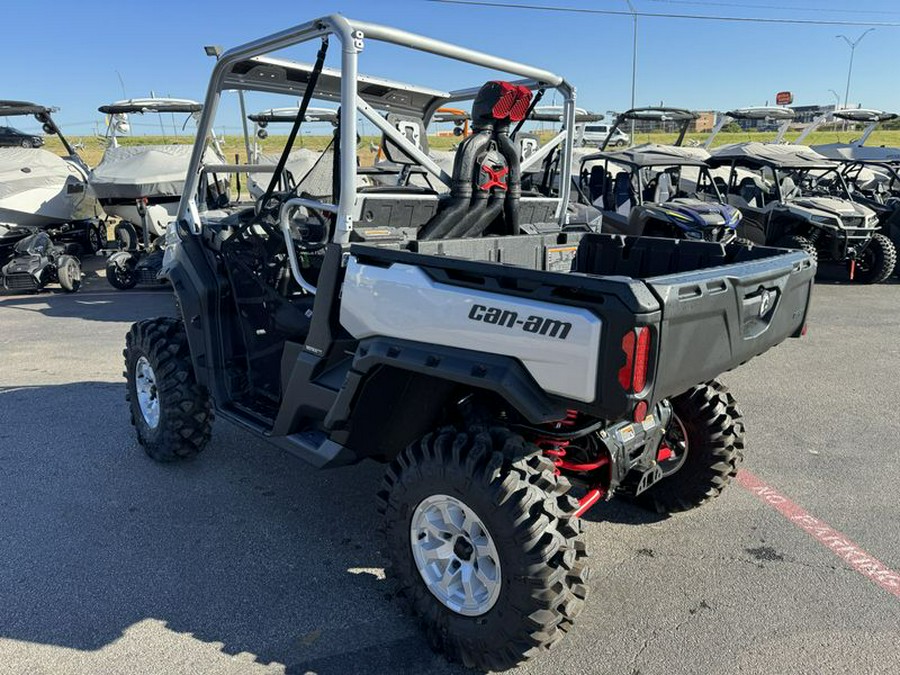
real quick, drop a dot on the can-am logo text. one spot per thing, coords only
(537, 325)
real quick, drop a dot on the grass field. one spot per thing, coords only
(91, 147)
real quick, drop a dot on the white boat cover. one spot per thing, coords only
(134, 171)
(38, 187)
(24, 169)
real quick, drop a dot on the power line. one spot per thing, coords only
(785, 8)
(664, 15)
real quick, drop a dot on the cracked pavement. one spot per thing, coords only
(248, 561)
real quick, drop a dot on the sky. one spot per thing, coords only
(84, 54)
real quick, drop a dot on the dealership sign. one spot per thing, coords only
(784, 98)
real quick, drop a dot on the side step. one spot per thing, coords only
(313, 447)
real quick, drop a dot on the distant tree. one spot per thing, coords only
(732, 128)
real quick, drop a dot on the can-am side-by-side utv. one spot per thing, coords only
(510, 371)
(792, 196)
(657, 191)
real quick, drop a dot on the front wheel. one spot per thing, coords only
(122, 276)
(483, 545)
(798, 242)
(877, 261)
(170, 411)
(68, 271)
(702, 450)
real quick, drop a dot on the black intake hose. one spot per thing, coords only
(510, 151)
(458, 203)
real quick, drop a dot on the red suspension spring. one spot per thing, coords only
(555, 448)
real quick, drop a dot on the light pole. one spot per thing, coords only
(853, 44)
(837, 99)
(634, 38)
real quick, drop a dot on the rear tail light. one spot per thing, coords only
(640, 411)
(641, 358)
(626, 372)
(636, 347)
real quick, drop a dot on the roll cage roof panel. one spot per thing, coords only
(248, 67)
(151, 105)
(280, 76)
(681, 116)
(768, 154)
(648, 155)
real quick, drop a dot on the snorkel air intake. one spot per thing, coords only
(486, 173)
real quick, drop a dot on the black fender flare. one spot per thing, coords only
(120, 258)
(502, 375)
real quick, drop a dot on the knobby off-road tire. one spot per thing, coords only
(174, 421)
(801, 243)
(878, 261)
(714, 426)
(68, 272)
(512, 491)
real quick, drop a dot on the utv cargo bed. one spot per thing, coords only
(708, 307)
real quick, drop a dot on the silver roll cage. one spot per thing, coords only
(247, 68)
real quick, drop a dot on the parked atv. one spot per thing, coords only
(657, 191)
(506, 395)
(29, 261)
(793, 197)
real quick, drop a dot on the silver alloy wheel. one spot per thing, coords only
(677, 438)
(455, 555)
(146, 391)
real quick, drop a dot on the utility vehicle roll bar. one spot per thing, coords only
(768, 113)
(248, 68)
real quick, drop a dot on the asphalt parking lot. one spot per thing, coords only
(248, 561)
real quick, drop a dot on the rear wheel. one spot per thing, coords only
(483, 545)
(94, 241)
(705, 443)
(877, 261)
(798, 242)
(126, 236)
(68, 271)
(170, 411)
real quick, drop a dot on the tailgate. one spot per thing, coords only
(717, 318)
